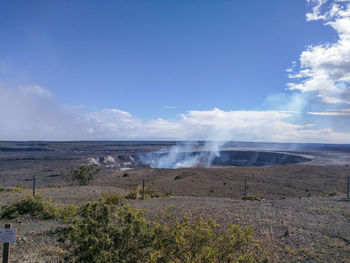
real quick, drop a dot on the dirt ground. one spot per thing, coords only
(293, 221)
(268, 182)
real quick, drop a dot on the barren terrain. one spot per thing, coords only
(296, 219)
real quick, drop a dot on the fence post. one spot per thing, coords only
(143, 189)
(34, 186)
(6, 249)
(245, 188)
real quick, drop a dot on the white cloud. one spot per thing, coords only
(325, 69)
(316, 10)
(32, 113)
(327, 113)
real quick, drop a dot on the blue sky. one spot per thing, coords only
(121, 66)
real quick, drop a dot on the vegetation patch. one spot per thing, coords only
(19, 187)
(149, 192)
(253, 198)
(37, 207)
(81, 176)
(330, 193)
(109, 230)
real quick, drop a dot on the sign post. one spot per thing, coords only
(7, 236)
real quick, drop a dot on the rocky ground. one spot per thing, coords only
(292, 221)
(300, 216)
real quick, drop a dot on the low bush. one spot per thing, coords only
(112, 199)
(54, 186)
(132, 194)
(67, 212)
(107, 233)
(330, 193)
(82, 175)
(18, 187)
(149, 192)
(37, 207)
(109, 230)
(195, 239)
(253, 198)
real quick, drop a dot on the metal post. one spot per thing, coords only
(348, 188)
(143, 189)
(6, 250)
(34, 186)
(245, 188)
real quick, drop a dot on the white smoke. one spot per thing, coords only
(184, 154)
(325, 69)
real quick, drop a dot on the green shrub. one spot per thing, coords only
(106, 232)
(37, 207)
(33, 206)
(82, 175)
(330, 193)
(195, 239)
(253, 198)
(112, 199)
(54, 186)
(132, 194)
(149, 192)
(169, 193)
(66, 212)
(18, 187)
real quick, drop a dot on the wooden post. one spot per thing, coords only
(143, 189)
(245, 188)
(348, 188)
(34, 186)
(6, 250)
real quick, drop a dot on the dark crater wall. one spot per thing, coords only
(254, 158)
(24, 149)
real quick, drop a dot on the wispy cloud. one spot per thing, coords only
(329, 113)
(32, 113)
(325, 69)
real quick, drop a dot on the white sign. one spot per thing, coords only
(7, 235)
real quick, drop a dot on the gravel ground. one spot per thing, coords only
(290, 225)
(293, 230)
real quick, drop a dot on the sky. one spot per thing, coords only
(175, 70)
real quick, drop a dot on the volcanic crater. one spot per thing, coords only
(221, 158)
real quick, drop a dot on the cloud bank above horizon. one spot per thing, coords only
(33, 113)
